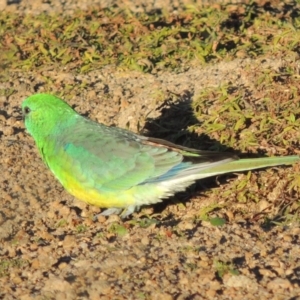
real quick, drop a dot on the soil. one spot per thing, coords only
(54, 249)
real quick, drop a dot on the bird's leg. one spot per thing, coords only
(120, 211)
(128, 211)
(111, 211)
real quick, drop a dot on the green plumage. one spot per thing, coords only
(115, 168)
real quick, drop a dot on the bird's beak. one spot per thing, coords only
(21, 115)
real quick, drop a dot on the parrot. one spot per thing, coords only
(116, 169)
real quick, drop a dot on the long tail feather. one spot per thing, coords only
(190, 175)
(248, 164)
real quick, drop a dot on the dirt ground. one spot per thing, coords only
(50, 247)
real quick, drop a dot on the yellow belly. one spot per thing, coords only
(84, 190)
(98, 198)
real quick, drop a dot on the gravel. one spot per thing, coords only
(54, 249)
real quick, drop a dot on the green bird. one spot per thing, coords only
(117, 169)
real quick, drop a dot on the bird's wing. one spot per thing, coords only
(108, 158)
(198, 155)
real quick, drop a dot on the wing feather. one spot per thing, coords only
(114, 159)
(109, 158)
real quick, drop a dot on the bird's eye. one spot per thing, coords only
(26, 110)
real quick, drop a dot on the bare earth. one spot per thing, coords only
(60, 253)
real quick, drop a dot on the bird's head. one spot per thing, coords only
(43, 113)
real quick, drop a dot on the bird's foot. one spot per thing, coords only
(111, 211)
(123, 212)
(128, 211)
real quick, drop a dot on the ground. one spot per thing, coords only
(231, 237)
